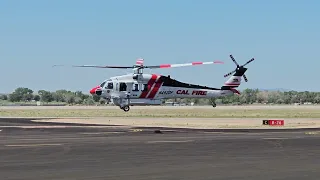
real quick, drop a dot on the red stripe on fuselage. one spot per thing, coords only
(150, 84)
(155, 88)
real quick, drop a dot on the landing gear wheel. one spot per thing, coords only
(126, 108)
(214, 105)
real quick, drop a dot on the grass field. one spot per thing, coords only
(167, 111)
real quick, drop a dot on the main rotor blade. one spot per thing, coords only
(183, 65)
(95, 66)
(234, 60)
(248, 62)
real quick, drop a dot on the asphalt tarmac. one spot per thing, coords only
(120, 153)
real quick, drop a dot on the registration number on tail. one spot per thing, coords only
(165, 92)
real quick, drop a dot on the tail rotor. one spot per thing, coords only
(234, 60)
(239, 68)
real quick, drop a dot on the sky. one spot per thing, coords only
(282, 36)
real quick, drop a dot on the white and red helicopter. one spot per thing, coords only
(138, 88)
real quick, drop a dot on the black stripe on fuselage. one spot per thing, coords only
(167, 81)
(228, 87)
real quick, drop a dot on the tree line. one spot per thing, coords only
(23, 94)
(248, 96)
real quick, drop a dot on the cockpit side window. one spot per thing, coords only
(110, 85)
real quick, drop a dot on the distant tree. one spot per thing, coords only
(70, 99)
(279, 101)
(45, 96)
(96, 98)
(21, 94)
(196, 101)
(59, 95)
(188, 100)
(273, 96)
(4, 97)
(248, 96)
(89, 101)
(13, 97)
(317, 99)
(36, 98)
(78, 100)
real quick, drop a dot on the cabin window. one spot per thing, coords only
(135, 87)
(145, 87)
(123, 86)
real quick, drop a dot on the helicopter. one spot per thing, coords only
(139, 88)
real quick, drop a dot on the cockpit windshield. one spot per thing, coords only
(108, 84)
(102, 84)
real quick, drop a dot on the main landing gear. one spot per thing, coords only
(124, 104)
(213, 103)
(126, 108)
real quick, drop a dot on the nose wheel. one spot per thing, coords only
(126, 108)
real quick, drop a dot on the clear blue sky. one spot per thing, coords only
(283, 36)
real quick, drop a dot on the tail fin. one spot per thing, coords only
(235, 80)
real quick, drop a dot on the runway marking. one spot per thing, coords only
(275, 138)
(136, 130)
(58, 138)
(313, 132)
(115, 132)
(213, 132)
(30, 145)
(31, 139)
(169, 141)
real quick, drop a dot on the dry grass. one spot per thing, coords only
(172, 112)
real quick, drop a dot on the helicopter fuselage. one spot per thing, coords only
(151, 89)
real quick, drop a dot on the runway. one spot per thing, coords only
(120, 153)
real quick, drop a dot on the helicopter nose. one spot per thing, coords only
(93, 90)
